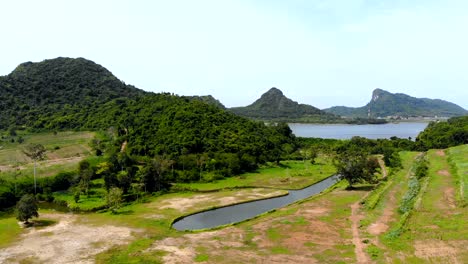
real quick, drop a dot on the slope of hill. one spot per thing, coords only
(385, 104)
(78, 94)
(209, 99)
(61, 84)
(275, 106)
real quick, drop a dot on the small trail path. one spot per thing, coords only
(359, 246)
(356, 217)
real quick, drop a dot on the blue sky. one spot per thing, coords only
(322, 53)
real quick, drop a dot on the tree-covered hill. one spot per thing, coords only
(209, 99)
(64, 93)
(454, 132)
(275, 106)
(164, 124)
(61, 84)
(385, 104)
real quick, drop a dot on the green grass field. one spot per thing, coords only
(64, 151)
(290, 175)
(458, 159)
(9, 229)
(436, 228)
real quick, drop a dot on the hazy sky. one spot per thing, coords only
(319, 52)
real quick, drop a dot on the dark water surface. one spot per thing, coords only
(244, 211)
(344, 131)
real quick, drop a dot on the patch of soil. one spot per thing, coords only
(381, 225)
(64, 242)
(440, 153)
(382, 167)
(253, 244)
(449, 196)
(356, 217)
(444, 172)
(448, 192)
(184, 204)
(430, 249)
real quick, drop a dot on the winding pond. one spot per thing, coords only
(240, 212)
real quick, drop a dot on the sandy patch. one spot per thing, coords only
(449, 196)
(440, 153)
(184, 204)
(64, 242)
(444, 172)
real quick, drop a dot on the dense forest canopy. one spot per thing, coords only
(62, 84)
(454, 132)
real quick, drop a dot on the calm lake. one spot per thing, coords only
(344, 131)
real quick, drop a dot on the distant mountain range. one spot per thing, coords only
(386, 104)
(275, 106)
(61, 87)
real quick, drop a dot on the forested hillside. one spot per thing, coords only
(77, 94)
(64, 85)
(385, 104)
(209, 99)
(454, 132)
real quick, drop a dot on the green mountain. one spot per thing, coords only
(275, 106)
(209, 99)
(64, 93)
(57, 85)
(385, 104)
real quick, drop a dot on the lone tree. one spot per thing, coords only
(26, 208)
(114, 199)
(356, 166)
(35, 152)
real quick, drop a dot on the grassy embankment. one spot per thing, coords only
(64, 152)
(419, 220)
(289, 175)
(458, 160)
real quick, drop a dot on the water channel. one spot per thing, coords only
(240, 212)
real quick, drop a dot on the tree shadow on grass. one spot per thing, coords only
(360, 188)
(40, 223)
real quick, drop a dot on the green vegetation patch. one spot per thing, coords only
(290, 175)
(9, 229)
(458, 159)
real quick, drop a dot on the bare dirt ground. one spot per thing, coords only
(449, 191)
(184, 204)
(440, 251)
(356, 217)
(256, 241)
(382, 224)
(64, 242)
